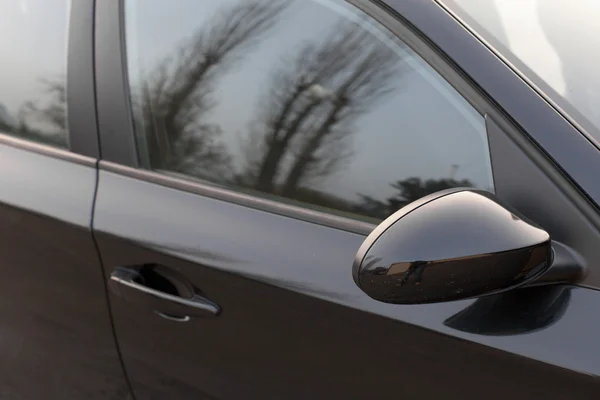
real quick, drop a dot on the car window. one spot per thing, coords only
(305, 102)
(33, 45)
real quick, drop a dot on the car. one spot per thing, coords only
(316, 199)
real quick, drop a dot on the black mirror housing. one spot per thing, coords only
(451, 245)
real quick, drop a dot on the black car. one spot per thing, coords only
(299, 199)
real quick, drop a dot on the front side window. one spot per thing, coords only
(305, 102)
(33, 49)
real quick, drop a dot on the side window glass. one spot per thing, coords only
(307, 102)
(33, 45)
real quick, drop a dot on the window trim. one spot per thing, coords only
(115, 119)
(46, 150)
(81, 97)
(231, 196)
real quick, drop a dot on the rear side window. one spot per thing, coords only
(33, 50)
(309, 102)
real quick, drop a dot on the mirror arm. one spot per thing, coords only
(567, 267)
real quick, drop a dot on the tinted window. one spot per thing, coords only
(33, 48)
(309, 102)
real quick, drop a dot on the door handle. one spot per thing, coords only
(125, 283)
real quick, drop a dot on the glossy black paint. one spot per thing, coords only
(293, 325)
(511, 313)
(56, 339)
(450, 245)
(556, 204)
(295, 309)
(567, 267)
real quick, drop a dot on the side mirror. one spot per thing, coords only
(452, 245)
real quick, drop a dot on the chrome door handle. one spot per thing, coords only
(124, 282)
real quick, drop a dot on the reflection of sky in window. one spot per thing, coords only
(33, 40)
(422, 129)
(555, 43)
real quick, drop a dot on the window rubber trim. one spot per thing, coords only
(46, 150)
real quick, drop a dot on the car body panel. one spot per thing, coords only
(56, 338)
(294, 324)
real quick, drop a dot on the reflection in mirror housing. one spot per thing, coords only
(451, 245)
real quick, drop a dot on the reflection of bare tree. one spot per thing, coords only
(409, 190)
(302, 132)
(173, 100)
(45, 119)
(6, 120)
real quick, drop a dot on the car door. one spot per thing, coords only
(56, 339)
(248, 149)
